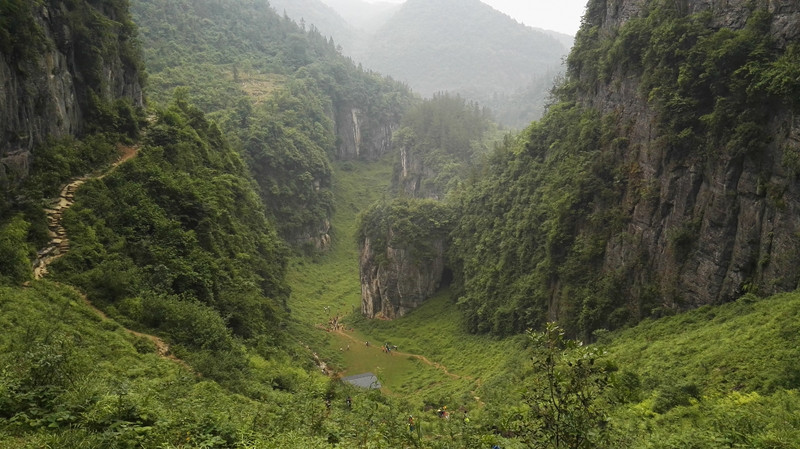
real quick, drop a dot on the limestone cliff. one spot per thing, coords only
(665, 176)
(401, 283)
(710, 228)
(402, 260)
(362, 135)
(58, 62)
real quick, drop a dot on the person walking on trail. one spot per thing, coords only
(411, 423)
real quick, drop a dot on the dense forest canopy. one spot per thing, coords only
(185, 306)
(275, 88)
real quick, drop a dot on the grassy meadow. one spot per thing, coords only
(436, 358)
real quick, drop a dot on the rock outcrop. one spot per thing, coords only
(402, 260)
(46, 86)
(361, 135)
(394, 282)
(709, 228)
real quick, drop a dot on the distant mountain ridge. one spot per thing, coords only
(459, 46)
(462, 46)
(363, 15)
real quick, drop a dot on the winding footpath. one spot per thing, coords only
(477, 381)
(59, 243)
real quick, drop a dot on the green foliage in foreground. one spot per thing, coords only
(69, 378)
(176, 240)
(724, 376)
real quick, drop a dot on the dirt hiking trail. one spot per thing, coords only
(59, 242)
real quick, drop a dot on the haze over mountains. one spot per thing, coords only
(464, 47)
(362, 15)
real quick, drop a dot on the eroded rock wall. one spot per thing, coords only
(704, 230)
(361, 135)
(45, 93)
(394, 282)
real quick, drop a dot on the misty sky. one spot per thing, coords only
(558, 15)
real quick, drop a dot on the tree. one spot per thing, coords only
(567, 407)
(16, 266)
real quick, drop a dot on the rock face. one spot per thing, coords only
(46, 92)
(361, 135)
(412, 173)
(394, 282)
(709, 229)
(316, 237)
(725, 14)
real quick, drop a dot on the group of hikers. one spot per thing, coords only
(441, 413)
(334, 324)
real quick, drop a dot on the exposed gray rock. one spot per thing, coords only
(362, 136)
(704, 230)
(393, 282)
(45, 96)
(318, 238)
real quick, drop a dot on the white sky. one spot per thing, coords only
(563, 16)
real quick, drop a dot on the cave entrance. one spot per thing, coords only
(447, 278)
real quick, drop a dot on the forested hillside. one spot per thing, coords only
(662, 179)
(291, 101)
(67, 70)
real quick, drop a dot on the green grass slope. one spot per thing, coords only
(723, 376)
(751, 345)
(71, 378)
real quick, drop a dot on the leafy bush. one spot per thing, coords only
(414, 225)
(14, 251)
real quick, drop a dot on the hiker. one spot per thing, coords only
(411, 423)
(349, 402)
(466, 417)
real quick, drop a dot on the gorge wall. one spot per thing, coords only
(402, 261)
(58, 62)
(400, 283)
(664, 177)
(713, 225)
(361, 134)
